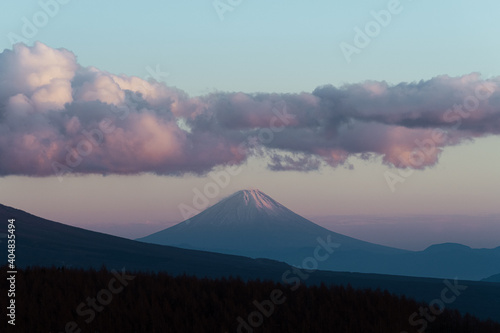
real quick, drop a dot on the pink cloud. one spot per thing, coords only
(57, 116)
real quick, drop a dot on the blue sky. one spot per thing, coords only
(278, 46)
(281, 46)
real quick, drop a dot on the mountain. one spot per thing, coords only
(250, 223)
(41, 242)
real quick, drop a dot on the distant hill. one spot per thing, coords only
(250, 223)
(493, 278)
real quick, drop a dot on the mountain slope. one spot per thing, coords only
(46, 243)
(251, 223)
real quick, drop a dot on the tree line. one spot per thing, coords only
(78, 300)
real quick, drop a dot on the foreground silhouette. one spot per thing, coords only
(66, 300)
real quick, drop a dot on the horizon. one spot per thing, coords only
(388, 136)
(357, 226)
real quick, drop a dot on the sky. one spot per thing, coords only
(376, 119)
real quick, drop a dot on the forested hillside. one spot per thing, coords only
(66, 300)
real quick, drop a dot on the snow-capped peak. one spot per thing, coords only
(259, 199)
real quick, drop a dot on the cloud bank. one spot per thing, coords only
(58, 117)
